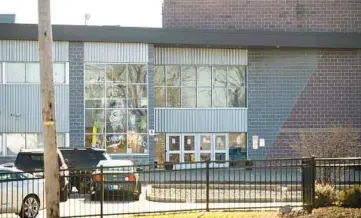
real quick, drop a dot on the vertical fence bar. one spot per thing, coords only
(313, 180)
(207, 185)
(101, 191)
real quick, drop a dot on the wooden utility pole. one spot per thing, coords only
(51, 168)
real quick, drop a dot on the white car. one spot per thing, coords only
(21, 193)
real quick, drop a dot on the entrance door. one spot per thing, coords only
(205, 147)
(189, 148)
(173, 148)
(220, 149)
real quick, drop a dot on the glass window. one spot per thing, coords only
(94, 73)
(137, 95)
(33, 73)
(116, 91)
(94, 141)
(219, 97)
(1, 144)
(116, 103)
(94, 103)
(189, 76)
(236, 97)
(60, 140)
(137, 74)
(173, 75)
(14, 142)
(59, 72)
(220, 142)
(15, 72)
(159, 97)
(116, 73)
(173, 97)
(174, 142)
(137, 143)
(159, 76)
(238, 140)
(189, 97)
(204, 97)
(174, 158)
(32, 141)
(236, 76)
(94, 121)
(137, 121)
(205, 156)
(205, 143)
(94, 91)
(204, 76)
(116, 121)
(116, 143)
(220, 156)
(220, 76)
(189, 143)
(189, 158)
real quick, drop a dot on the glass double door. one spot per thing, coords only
(188, 148)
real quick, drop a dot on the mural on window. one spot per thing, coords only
(116, 104)
(200, 86)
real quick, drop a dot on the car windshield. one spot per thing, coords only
(118, 169)
(31, 161)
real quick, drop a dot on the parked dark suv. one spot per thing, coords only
(82, 163)
(32, 161)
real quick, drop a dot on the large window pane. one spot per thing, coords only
(14, 142)
(173, 97)
(174, 143)
(116, 143)
(159, 76)
(189, 97)
(220, 142)
(94, 91)
(94, 103)
(204, 76)
(219, 97)
(59, 72)
(159, 97)
(236, 97)
(189, 76)
(116, 91)
(205, 143)
(220, 76)
(137, 95)
(94, 141)
(137, 73)
(137, 121)
(137, 143)
(15, 72)
(116, 73)
(204, 97)
(32, 73)
(238, 140)
(94, 120)
(61, 140)
(94, 73)
(117, 103)
(173, 75)
(116, 121)
(189, 144)
(236, 76)
(31, 141)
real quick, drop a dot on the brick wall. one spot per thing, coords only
(76, 96)
(277, 15)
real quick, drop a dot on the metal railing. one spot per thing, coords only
(200, 186)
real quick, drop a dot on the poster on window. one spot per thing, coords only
(261, 142)
(255, 142)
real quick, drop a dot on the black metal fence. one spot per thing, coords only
(201, 186)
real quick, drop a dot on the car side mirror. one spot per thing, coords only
(139, 169)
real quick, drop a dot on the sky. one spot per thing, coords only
(137, 13)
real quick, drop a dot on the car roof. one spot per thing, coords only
(115, 163)
(80, 148)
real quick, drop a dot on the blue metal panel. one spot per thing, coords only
(20, 108)
(180, 120)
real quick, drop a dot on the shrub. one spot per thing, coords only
(325, 195)
(350, 197)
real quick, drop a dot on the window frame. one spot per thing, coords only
(197, 86)
(105, 107)
(4, 71)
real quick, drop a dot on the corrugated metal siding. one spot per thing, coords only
(200, 56)
(115, 52)
(20, 108)
(200, 120)
(20, 50)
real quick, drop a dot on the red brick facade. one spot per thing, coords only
(275, 15)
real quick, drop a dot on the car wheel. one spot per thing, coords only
(30, 207)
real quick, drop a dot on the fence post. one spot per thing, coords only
(308, 183)
(207, 185)
(101, 191)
